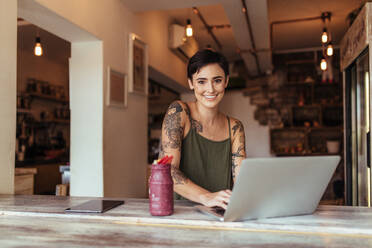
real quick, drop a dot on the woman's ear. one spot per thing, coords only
(190, 84)
(227, 81)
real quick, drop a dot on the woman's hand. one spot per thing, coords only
(220, 198)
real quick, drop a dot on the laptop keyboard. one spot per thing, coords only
(218, 210)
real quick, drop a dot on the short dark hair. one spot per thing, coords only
(206, 57)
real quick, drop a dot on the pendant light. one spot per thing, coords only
(326, 18)
(38, 50)
(324, 36)
(329, 49)
(188, 28)
(323, 64)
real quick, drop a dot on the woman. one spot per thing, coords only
(207, 146)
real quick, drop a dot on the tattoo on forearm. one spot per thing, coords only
(235, 159)
(239, 154)
(161, 150)
(233, 167)
(178, 176)
(172, 126)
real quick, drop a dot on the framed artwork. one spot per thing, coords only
(117, 89)
(138, 65)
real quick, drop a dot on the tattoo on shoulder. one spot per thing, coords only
(178, 176)
(238, 127)
(194, 123)
(172, 126)
(175, 107)
(197, 125)
(242, 140)
(187, 110)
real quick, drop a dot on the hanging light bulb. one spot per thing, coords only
(324, 36)
(330, 49)
(38, 50)
(188, 28)
(323, 64)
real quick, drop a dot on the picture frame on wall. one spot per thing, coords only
(117, 95)
(138, 65)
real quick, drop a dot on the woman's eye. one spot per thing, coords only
(201, 82)
(218, 80)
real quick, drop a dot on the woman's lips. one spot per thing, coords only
(210, 97)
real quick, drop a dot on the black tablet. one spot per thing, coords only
(94, 206)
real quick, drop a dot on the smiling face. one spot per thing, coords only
(209, 85)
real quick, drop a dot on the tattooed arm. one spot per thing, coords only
(238, 147)
(171, 140)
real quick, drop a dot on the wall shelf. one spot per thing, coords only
(48, 123)
(41, 125)
(317, 117)
(47, 97)
(19, 110)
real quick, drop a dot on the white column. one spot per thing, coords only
(8, 91)
(86, 104)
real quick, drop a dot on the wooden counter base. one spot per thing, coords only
(40, 221)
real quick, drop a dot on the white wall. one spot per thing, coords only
(257, 136)
(8, 62)
(155, 30)
(238, 106)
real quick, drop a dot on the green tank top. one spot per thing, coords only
(205, 162)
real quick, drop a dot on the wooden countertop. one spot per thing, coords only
(39, 221)
(25, 171)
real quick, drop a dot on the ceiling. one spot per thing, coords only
(262, 13)
(214, 15)
(54, 48)
(307, 33)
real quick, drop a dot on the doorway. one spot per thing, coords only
(160, 97)
(43, 117)
(85, 94)
(358, 137)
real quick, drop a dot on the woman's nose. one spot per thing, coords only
(210, 86)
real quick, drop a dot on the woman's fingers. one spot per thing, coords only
(223, 205)
(226, 193)
(220, 198)
(223, 198)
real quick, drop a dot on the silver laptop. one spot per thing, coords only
(277, 187)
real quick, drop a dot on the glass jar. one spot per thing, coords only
(161, 190)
